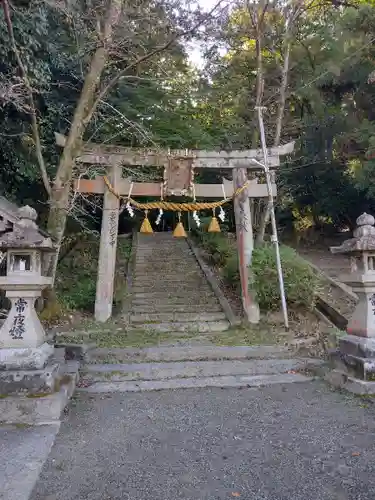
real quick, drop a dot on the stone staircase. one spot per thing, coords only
(169, 292)
(187, 367)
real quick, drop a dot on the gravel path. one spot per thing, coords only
(295, 442)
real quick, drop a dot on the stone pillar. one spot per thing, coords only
(108, 249)
(245, 244)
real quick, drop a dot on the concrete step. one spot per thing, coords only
(188, 369)
(156, 300)
(165, 262)
(185, 317)
(147, 308)
(167, 251)
(164, 254)
(173, 271)
(168, 275)
(178, 264)
(194, 383)
(159, 248)
(177, 305)
(191, 296)
(188, 353)
(181, 290)
(171, 287)
(170, 280)
(177, 326)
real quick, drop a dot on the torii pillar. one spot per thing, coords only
(245, 245)
(107, 249)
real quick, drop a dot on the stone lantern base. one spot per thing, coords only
(35, 384)
(354, 365)
(30, 370)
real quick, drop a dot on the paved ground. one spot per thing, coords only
(292, 442)
(23, 451)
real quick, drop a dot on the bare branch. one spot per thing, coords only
(32, 108)
(147, 56)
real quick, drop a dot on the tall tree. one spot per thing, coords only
(115, 40)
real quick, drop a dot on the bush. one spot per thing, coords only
(217, 246)
(76, 276)
(300, 280)
(231, 272)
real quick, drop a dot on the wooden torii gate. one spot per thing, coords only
(179, 167)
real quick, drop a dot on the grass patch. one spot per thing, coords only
(116, 337)
(259, 335)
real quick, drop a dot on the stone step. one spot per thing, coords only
(164, 260)
(194, 383)
(194, 296)
(165, 263)
(163, 254)
(172, 251)
(173, 290)
(188, 353)
(197, 369)
(145, 307)
(179, 305)
(170, 279)
(193, 327)
(157, 281)
(170, 287)
(185, 317)
(170, 270)
(157, 299)
(158, 250)
(171, 275)
(182, 247)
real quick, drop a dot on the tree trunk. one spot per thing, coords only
(59, 199)
(265, 216)
(263, 223)
(259, 82)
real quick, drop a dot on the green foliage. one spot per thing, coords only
(76, 276)
(77, 273)
(216, 245)
(231, 272)
(300, 280)
(329, 106)
(165, 102)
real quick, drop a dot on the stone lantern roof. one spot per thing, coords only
(363, 237)
(25, 233)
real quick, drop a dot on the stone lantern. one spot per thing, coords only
(355, 359)
(361, 251)
(22, 338)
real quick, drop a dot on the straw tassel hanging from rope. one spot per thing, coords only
(179, 231)
(146, 226)
(214, 224)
